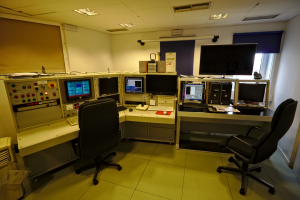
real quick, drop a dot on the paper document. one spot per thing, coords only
(226, 109)
(164, 100)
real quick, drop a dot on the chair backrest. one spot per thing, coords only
(281, 122)
(99, 127)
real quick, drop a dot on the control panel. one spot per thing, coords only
(71, 109)
(32, 91)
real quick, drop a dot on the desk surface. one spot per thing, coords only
(149, 116)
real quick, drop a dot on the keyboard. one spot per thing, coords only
(194, 105)
(161, 108)
(73, 120)
(121, 108)
(258, 108)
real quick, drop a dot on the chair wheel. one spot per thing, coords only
(119, 168)
(78, 171)
(272, 190)
(219, 170)
(114, 154)
(95, 181)
(230, 159)
(258, 170)
(242, 191)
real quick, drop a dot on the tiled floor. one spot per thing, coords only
(155, 171)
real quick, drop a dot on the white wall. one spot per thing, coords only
(127, 52)
(88, 50)
(287, 85)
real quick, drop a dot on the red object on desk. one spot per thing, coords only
(162, 113)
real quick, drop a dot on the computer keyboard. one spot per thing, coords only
(121, 108)
(161, 108)
(259, 108)
(194, 105)
(73, 120)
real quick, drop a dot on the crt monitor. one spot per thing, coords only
(192, 92)
(233, 59)
(251, 92)
(134, 84)
(109, 85)
(161, 84)
(78, 89)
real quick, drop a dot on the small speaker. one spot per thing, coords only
(161, 66)
(143, 66)
(214, 93)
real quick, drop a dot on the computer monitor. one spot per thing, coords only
(232, 59)
(109, 85)
(78, 89)
(192, 92)
(161, 84)
(251, 92)
(134, 84)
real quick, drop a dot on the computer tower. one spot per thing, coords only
(225, 93)
(214, 93)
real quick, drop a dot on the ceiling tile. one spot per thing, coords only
(23, 3)
(51, 7)
(122, 15)
(96, 3)
(191, 22)
(169, 16)
(146, 4)
(116, 8)
(7, 11)
(58, 17)
(193, 26)
(192, 14)
(228, 6)
(274, 7)
(232, 18)
(295, 9)
(281, 17)
(136, 21)
(154, 11)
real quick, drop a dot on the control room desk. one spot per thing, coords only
(203, 121)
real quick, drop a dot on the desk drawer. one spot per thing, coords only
(161, 134)
(138, 130)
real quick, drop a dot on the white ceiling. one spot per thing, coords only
(150, 15)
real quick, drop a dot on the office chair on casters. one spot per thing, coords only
(99, 132)
(251, 150)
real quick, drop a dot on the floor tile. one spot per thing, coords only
(281, 175)
(202, 185)
(66, 186)
(168, 154)
(138, 195)
(129, 176)
(162, 180)
(137, 149)
(277, 157)
(107, 191)
(289, 194)
(255, 191)
(204, 161)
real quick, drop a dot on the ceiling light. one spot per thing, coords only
(127, 25)
(86, 12)
(219, 16)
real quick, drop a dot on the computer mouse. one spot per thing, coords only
(165, 112)
(130, 109)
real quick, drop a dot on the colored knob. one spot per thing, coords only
(24, 87)
(35, 83)
(33, 94)
(47, 97)
(22, 95)
(13, 85)
(34, 99)
(54, 93)
(42, 98)
(52, 85)
(24, 101)
(16, 96)
(29, 100)
(28, 95)
(29, 86)
(41, 94)
(14, 90)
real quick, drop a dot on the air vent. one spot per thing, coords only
(192, 7)
(4, 157)
(117, 30)
(260, 17)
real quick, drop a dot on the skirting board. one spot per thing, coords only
(285, 158)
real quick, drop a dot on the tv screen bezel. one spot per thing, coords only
(102, 95)
(78, 97)
(161, 93)
(143, 84)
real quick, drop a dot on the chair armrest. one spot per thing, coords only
(255, 127)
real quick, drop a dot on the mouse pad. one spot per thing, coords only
(162, 112)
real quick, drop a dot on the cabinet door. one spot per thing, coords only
(162, 132)
(137, 130)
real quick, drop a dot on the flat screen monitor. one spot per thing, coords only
(78, 89)
(109, 85)
(134, 84)
(252, 92)
(161, 84)
(233, 59)
(192, 92)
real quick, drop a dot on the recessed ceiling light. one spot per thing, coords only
(127, 25)
(86, 12)
(219, 16)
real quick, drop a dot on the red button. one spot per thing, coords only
(33, 94)
(54, 94)
(14, 90)
(52, 85)
(22, 95)
(16, 97)
(42, 98)
(29, 86)
(35, 83)
(28, 95)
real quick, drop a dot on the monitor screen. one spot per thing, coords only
(234, 59)
(108, 86)
(134, 84)
(251, 92)
(161, 84)
(78, 89)
(192, 92)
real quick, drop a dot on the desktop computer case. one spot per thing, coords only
(214, 93)
(225, 93)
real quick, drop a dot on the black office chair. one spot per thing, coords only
(251, 150)
(99, 132)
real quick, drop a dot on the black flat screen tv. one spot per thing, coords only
(161, 84)
(108, 86)
(231, 59)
